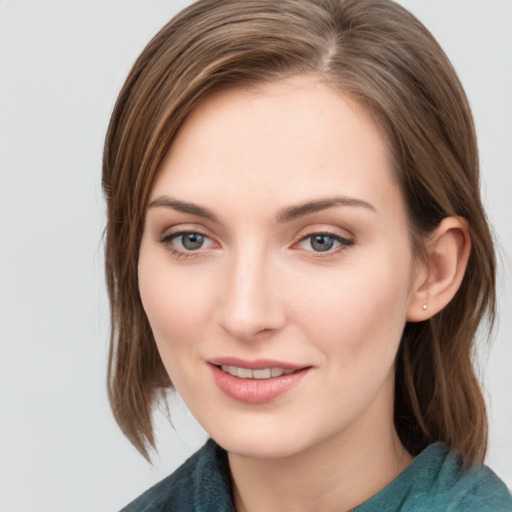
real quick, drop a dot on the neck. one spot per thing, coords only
(336, 474)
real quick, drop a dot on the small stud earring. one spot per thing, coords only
(424, 307)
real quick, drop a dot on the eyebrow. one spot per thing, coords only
(183, 206)
(290, 213)
(286, 214)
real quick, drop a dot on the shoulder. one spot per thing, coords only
(436, 481)
(476, 489)
(201, 483)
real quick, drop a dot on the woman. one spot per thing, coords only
(296, 244)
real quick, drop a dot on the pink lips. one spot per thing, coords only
(255, 391)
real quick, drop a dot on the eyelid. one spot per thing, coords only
(176, 231)
(177, 234)
(344, 241)
(325, 229)
(183, 228)
(174, 234)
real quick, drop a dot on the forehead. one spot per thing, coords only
(286, 140)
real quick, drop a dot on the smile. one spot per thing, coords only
(256, 382)
(248, 373)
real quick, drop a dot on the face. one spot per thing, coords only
(276, 270)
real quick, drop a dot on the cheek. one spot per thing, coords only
(175, 302)
(358, 313)
(165, 312)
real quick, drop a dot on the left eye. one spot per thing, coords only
(323, 242)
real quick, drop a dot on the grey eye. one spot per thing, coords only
(191, 241)
(322, 243)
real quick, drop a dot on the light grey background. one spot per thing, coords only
(61, 66)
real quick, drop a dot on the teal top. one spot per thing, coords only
(433, 482)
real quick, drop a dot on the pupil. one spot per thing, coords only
(322, 243)
(192, 241)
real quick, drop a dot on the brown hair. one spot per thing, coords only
(382, 56)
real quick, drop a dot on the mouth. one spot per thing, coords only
(256, 382)
(260, 374)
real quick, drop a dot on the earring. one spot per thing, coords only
(427, 284)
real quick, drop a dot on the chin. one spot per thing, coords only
(258, 448)
(262, 443)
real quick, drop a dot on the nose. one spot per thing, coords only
(251, 302)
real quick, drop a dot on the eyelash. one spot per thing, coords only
(168, 239)
(344, 243)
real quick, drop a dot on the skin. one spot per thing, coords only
(258, 289)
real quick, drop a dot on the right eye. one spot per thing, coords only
(186, 242)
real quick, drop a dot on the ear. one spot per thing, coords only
(437, 282)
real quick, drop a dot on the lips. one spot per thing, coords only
(255, 382)
(248, 373)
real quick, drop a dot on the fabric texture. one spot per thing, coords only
(201, 484)
(433, 482)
